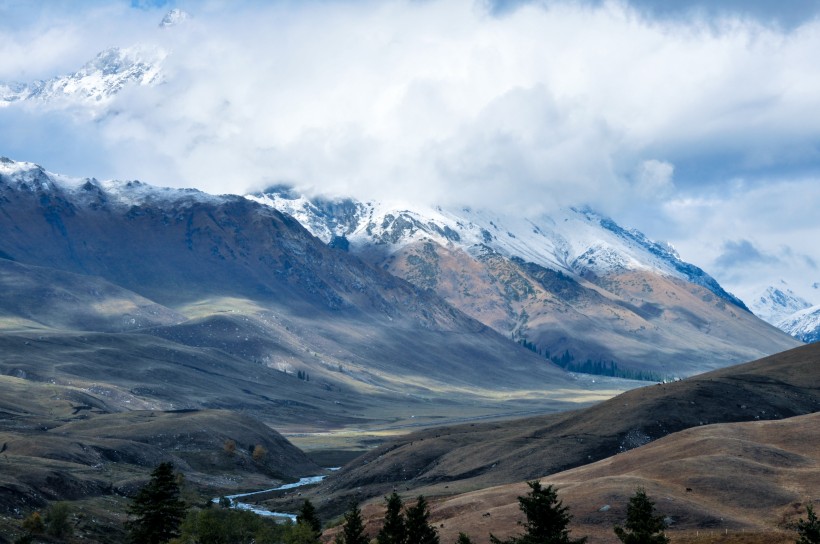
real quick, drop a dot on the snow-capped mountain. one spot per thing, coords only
(577, 241)
(803, 324)
(775, 304)
(281, 297)
(96, 82)
(573, 285)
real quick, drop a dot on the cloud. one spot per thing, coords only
(693, 123)
(785, 14)
(654, 179)
(742, 253)
(563, 101)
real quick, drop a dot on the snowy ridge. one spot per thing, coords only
(776, 304)
(803, 325)
(573, 240)
(96, 82)
(27, 176)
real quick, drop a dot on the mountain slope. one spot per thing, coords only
(37, 297)
(699, 479)
(449, 460)
(265, 302)
(573, 286)
(803, 324)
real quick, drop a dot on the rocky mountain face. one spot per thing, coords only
(573, 286)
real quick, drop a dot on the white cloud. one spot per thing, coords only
(551, 103)
(654, 179)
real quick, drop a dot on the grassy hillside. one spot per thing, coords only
(732, 482)
(474, 456)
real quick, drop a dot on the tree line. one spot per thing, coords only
(157, 515)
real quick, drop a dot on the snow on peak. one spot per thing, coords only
(174, 17)
(30, 177)
(803, 324)
(775, 304)
(572, 240)
(97, 81)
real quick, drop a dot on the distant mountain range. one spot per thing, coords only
(573, 286)
(789, 312)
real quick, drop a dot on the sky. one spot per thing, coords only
(694, 121)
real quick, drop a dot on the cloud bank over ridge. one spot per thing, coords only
(695, 125)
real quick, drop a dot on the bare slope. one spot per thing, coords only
(474, 456)
(739, 482)
(266, 302)
(38, 298)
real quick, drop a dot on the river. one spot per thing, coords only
(309, 480)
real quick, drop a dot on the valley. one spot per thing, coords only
(409, 272)
(140, 325)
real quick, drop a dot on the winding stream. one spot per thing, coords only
(309, 480)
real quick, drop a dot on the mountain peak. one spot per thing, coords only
(174, 17)
(775, 304)
(96, 82)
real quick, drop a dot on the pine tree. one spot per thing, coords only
(419, 530)
(307, 515)
(463, 539)
(808, 531)
(57, 521)
(547, 519)
(643, 526)
(157, 509)
(353, 531)
(394, 530)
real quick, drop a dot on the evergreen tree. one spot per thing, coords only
(307, 515)
(228, 526)
(808, 531)
(56, 520)
(157, 509)
(353, 532)
(419, 530)
(301, 533)
(394, 530)
(463, 539)
(643, 526)
(547, 519)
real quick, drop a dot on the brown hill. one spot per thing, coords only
(739, 482)
(467, 457)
